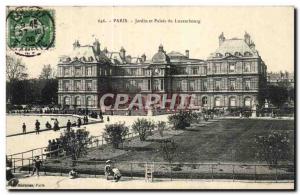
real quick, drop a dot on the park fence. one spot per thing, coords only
(163, 170)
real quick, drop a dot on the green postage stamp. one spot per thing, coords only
(30, 30)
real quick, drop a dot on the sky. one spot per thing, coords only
(271, 29)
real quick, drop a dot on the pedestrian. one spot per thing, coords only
(69, 125)
(107, 118)
(56, 125)
(73, 174)
(48, 125)
(78, 122)
(24, 128)
(36, 166)
(117, 174)
(87, 119)
(37, 127)
(108, 169)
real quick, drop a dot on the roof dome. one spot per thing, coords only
(160, 56)
(175, 54)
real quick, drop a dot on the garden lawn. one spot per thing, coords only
(227, 140)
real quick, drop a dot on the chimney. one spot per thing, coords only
(122, 52)
(76, 44)
(252, 45)
(143, 58)
(96, 46)
(221, 39)
(187, 53)
(247, 38)
(161, 48)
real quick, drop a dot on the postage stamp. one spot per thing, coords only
(30, 30)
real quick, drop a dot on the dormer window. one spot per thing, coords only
(248, 53)
(227, 54)
(75, 58)
(237, 53)
(91, 59)
(219, 55)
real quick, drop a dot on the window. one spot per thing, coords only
(66, 85)
(77, 71)
(77, 101)
(227, 54)
(217, 102)
(77, 85)
(89, 102)
(66, 71)
(195, 70)
(248, 102)
(232, 102)
(204, 101)
(217, 85)
(184, 84)
(161, 84)
(133, 72)
(156, 85)
(219, 55)
(247, 84)
(232, 84)
(149, 85)
(247, 67)
(88, 85)
(192, 86)
(88, 71)
(67, 101)
(217, 68)
(204, 85)
(231, 67)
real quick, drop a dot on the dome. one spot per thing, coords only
(160, 56)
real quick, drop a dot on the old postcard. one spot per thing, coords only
(157, 97)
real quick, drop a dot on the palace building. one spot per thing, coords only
(233, 76)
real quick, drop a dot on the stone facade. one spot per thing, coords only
(233, 76)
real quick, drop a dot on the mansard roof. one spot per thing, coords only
(232, 47)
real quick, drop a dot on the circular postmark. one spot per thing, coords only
(30, 30)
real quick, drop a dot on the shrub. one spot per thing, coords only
(115, 133)
(143, 127)
(161, 127)
(180, 120)
(168, 150)
(75, 143)
(273, 147)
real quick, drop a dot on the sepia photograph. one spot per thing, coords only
(150, 98)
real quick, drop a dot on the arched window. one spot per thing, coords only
(217, 102)
(89, 102)
(204, 101)
(67, 101)
(77, 101)
(247, 101)
(232, 102)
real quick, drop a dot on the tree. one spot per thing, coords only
(47, 72)
(115, 133)
(161, 127)
(75, 143)
(169, 150)
(273, 147)
(49, 91)
(277, 94)
(181, 120)
(143, 127)
(15, 69)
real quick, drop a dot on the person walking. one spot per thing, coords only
(37, 127)
(69, 125)
(78, 122)
(107, 118)
(24, 128)
(36, 166)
